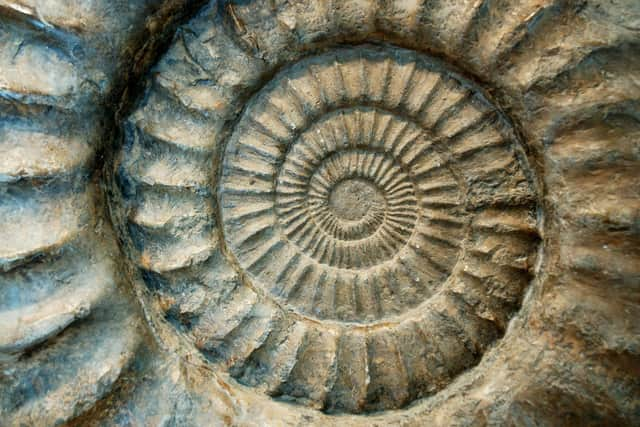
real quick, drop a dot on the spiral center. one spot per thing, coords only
(353, 199)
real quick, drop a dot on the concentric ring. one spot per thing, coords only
(285, 213)
(308, 206)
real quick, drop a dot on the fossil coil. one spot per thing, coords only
(375, 233)
(294, 213)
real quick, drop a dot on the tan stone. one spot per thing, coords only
(321, 212)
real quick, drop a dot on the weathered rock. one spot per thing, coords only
(293, 212)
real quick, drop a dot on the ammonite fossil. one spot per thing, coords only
(377, 216)
(319, 212)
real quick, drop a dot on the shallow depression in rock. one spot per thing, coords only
(353, 199)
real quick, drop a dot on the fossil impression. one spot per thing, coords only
(319, 213)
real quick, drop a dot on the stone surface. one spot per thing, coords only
(347, 212)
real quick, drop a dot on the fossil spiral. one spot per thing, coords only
(378, 216)
(291, 212)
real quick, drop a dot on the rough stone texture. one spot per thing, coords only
(355, 212)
